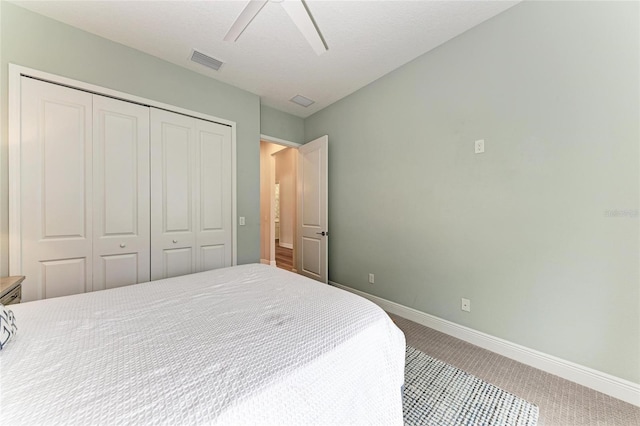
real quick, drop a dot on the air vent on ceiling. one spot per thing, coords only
(206, 60)
(302, 101)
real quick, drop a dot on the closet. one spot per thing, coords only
(114, 193)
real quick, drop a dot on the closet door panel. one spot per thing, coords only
(121, 245)
(55, 189)
(173, 208)
(213, 257)
(63, 152)
(177, 261)
(176, 176)
(214, 194)
(63, 277)
(211, 181)
(120, 269)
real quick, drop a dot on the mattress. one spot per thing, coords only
(250, 344)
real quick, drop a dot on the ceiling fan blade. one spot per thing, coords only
(301, 16)
(244, 19)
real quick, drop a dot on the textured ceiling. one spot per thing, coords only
(366, 39)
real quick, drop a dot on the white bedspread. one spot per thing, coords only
(245, 345)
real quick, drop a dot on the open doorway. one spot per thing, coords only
(307, 207)
(278, 162)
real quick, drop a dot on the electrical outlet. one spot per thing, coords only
(465, 305)
(372, 278)
(479, 146)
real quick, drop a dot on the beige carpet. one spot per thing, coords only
(561, 402)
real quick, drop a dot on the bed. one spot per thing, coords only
(249, 344)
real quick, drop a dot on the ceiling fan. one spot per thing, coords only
(297, 11)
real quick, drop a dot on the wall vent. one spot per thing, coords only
(206, 60)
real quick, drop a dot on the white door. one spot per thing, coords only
(190, 195)
(313, 218)
(56, 190)
(213, 195)
(173, 215)
(121, 243)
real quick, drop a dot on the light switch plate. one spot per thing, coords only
(479, 146)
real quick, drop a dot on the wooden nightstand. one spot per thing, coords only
(11, 290)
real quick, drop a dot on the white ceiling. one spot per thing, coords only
(366, 39)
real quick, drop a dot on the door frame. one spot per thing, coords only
(272, 207)
(16, 72)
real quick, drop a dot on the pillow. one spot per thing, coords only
(7, 326)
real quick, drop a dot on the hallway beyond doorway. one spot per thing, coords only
(284, 257)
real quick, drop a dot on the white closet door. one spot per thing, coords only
(173, 209)
(56, 183)
(213, 184)
(121, 242)
(190, 195)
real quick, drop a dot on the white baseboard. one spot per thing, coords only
(286, 245)
(267, 262)
(594, 379)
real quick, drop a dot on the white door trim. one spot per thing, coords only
(279, 141)
(18, 71)
(272, 180)
(272, 210)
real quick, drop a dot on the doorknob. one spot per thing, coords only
(175, 241)
(123, 245)
(323, 233)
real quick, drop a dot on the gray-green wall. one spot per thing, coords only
(38, 42)
(281, 125)
(525, 230)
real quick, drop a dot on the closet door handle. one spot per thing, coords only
(123, 245)
(175, 241)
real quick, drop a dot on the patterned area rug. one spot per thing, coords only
(439, 394)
